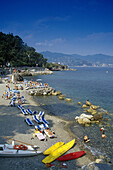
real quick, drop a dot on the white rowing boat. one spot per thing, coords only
(7, 150)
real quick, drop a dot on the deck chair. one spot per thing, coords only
(39, 133)
(35, 117)
(41, 114)
(24, 112)
(29, 111)
(38, 127)
(12, 103)
(43, 120)
(35, 112)
(19, 107)
(49, 133)
(44, 126)
(29, 122)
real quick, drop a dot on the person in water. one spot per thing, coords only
(103, 132)
(88, 103)
(86, 139)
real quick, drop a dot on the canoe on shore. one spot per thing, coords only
(53, 148)
(71, 156)
(58, 152)
(7, 150)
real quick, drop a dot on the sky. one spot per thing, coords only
(66, 26)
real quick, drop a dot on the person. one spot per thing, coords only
(103, 132)
(86, 139)
(102, 129)
(88, 103)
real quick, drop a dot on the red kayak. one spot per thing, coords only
(71, 156)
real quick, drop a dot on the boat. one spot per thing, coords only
(7, 150)
(58, 152)
(53, 148)
(71, 156)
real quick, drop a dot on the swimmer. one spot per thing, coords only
(86, 139)
(103, 132)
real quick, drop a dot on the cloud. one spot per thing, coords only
(51, 42)
(97, 36)
(47, 20)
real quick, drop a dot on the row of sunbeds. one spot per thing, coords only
(42, 123)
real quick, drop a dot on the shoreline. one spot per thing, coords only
(18, 130)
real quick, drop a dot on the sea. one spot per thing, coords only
(87, 83)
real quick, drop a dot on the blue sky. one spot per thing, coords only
(66, 26)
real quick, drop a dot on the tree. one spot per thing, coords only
(14, 51)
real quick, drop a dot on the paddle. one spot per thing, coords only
(20, 142)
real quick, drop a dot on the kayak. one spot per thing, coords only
(58, 152)
(71, 156)
(53, 148)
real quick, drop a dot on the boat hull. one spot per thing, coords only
(9, 151)
(58, 152)
(71, 156)
(53, 148)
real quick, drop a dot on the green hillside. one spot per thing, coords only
(14, 52)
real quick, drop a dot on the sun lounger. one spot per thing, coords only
(40, 114)
(35, 112)
(44, 126)
(29, 111)
(12, 103)
(35, 117)
(19, 107)
(38, 127)
(29, 122)
(43, 120)
(24, 112)
(39, 133)
(49, 133)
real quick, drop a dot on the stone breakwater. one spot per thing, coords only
(41, 91)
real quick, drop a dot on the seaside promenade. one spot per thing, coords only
(12, 125)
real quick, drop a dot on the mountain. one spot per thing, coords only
(78, 60)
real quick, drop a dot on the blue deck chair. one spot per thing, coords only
(44, 126)
(35, 112)
(19, 107)
(38, 127)
(24, 112)
(12, 103)
(36, 119)
(29, 111)
(29, 122)
(43, 120)
(41, 114)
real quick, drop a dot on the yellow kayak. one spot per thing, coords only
(53, 148)
(58, 152)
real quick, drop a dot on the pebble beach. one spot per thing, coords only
(12, 125)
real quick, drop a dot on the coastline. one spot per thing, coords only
(16, 128)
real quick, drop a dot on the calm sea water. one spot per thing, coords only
(95, 84)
